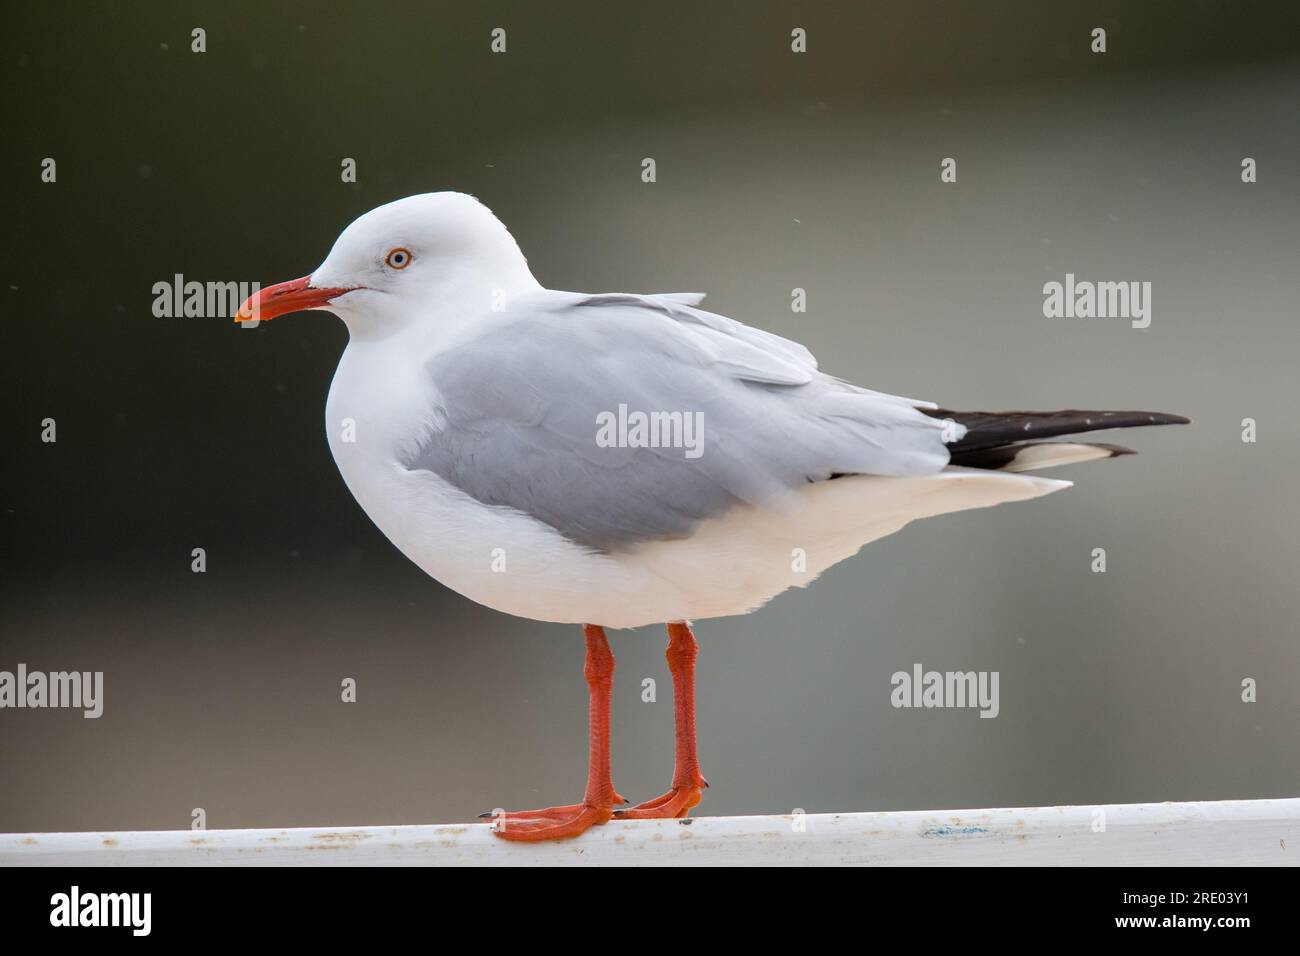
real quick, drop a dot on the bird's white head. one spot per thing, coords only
(405, 262)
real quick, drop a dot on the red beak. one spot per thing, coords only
(286, 297)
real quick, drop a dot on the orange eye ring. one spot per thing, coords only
(398, 258)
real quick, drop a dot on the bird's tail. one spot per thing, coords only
(1009, 441)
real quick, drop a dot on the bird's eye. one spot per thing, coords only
(398, 258)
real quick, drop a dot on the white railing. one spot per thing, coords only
(1237, 832)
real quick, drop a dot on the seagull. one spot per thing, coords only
(617, 460)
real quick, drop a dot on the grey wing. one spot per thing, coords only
(527, 405)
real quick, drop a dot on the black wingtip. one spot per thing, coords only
(985, 430)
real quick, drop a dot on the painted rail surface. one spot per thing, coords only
(1232, 832)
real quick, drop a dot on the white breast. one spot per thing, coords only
(377, 414)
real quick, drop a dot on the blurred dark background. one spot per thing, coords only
(775, 170)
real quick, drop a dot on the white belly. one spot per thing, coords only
(506, 560)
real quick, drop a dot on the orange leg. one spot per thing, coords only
(557, 823)
(688, 782)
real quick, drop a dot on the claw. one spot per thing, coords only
(676, 803)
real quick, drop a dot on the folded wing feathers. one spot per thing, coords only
(745, 351)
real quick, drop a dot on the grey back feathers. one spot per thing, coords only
(523, 397)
